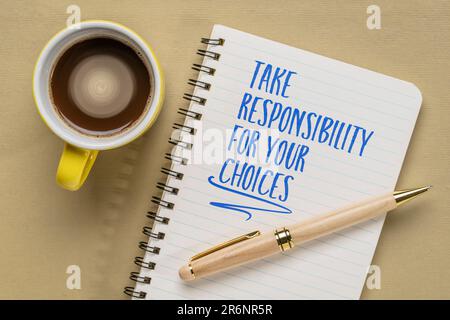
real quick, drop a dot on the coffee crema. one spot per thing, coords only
(100, 86)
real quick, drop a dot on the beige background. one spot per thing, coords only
(44, 229)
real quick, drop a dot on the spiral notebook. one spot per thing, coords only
(274, 135)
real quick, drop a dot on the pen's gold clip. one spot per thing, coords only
(226, 244)
(221, 246)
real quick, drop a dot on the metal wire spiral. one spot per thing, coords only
(164, 186)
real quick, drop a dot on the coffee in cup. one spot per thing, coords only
(101, 86)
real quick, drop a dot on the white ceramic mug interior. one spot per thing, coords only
(41, 86)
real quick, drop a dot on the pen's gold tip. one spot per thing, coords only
(185, 273)
(403, 196)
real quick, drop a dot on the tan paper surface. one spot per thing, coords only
(44, 229)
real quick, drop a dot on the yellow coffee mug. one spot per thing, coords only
(81, 150)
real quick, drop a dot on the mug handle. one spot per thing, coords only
(74, 166)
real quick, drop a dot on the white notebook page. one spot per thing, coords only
(333, 267)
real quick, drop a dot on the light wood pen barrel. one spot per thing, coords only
(256, 246)
(342, 218)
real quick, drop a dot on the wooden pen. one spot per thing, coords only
(255, 245)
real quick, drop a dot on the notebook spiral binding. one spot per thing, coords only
(145, 246)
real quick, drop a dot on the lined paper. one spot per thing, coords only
(333, 267)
